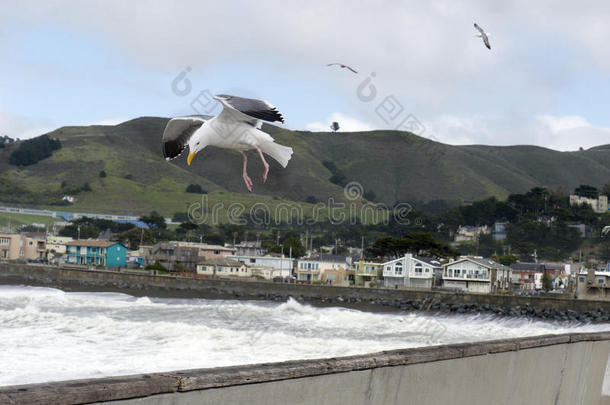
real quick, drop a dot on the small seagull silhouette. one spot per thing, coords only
(342, 66)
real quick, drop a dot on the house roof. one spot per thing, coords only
(326, 258)
(431, 261)
(92, 243)
(480, 261)
(539, 267)
(221, 261)
(202, 246)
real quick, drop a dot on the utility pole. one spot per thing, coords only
(362, 249)
(78, 229)
(336, 246)
(290, 261)
(278, 238)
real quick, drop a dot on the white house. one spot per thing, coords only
(410, 271)
(265, 272)
(223, 268)
(283, 264)
(476, 274)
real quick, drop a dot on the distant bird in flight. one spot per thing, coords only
(482, 34)
(342, 66)
(606, 230)
(236, 127)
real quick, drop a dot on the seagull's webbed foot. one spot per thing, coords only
(248, 182)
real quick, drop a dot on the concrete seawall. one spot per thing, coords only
(377, 298)
(550, 369)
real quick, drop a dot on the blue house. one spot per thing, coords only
(96, 252)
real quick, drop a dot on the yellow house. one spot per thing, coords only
(368, 273)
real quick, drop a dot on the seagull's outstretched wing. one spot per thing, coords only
(252, 108)
(342, 65)
(483, 35)
(177, 134)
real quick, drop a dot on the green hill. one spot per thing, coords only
(396, 166)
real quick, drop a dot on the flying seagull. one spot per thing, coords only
(482, 34)
(238, 126)
(342, 66)
(606, 230)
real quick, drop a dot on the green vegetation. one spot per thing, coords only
(547, 283)
(33, 150)
(392, 166)
(157, 266)
(417, 242)
(195, 188)
(585, 190)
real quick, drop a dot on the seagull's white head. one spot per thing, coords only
(196, 143)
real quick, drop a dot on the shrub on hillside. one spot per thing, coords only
(195, 188)
(33, 150)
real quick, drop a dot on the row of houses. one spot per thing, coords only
(472, 274)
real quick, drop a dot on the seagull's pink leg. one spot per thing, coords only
(247, 179)
(260, 153)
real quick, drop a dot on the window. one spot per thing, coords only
(581, 279)
(252, 260)
(601, 280)
(398, 269)
(418, 269)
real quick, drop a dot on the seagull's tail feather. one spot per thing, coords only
(278, 152)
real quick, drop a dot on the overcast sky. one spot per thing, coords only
(546, 80)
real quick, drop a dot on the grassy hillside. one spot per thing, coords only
(396, 166)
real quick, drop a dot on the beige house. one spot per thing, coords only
(311, 269)
(57, 244)
(339, 277)
(223, 268)
(208, 251)
(594, 284)
(29, 246)
(599, 205)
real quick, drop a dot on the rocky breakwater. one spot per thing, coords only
(435, 305)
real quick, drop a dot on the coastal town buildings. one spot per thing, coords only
(410, 271)
(24, 246)
(222, 267)
(476, 274)
(281, 265)
(311, 269)
(527, 276)
(96, 252)
(368, 274)
(593, 284)
(179, 256)
(599, 205)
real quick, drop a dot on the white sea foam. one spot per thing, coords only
(47, 334)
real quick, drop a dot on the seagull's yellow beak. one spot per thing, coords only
(189, 159)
